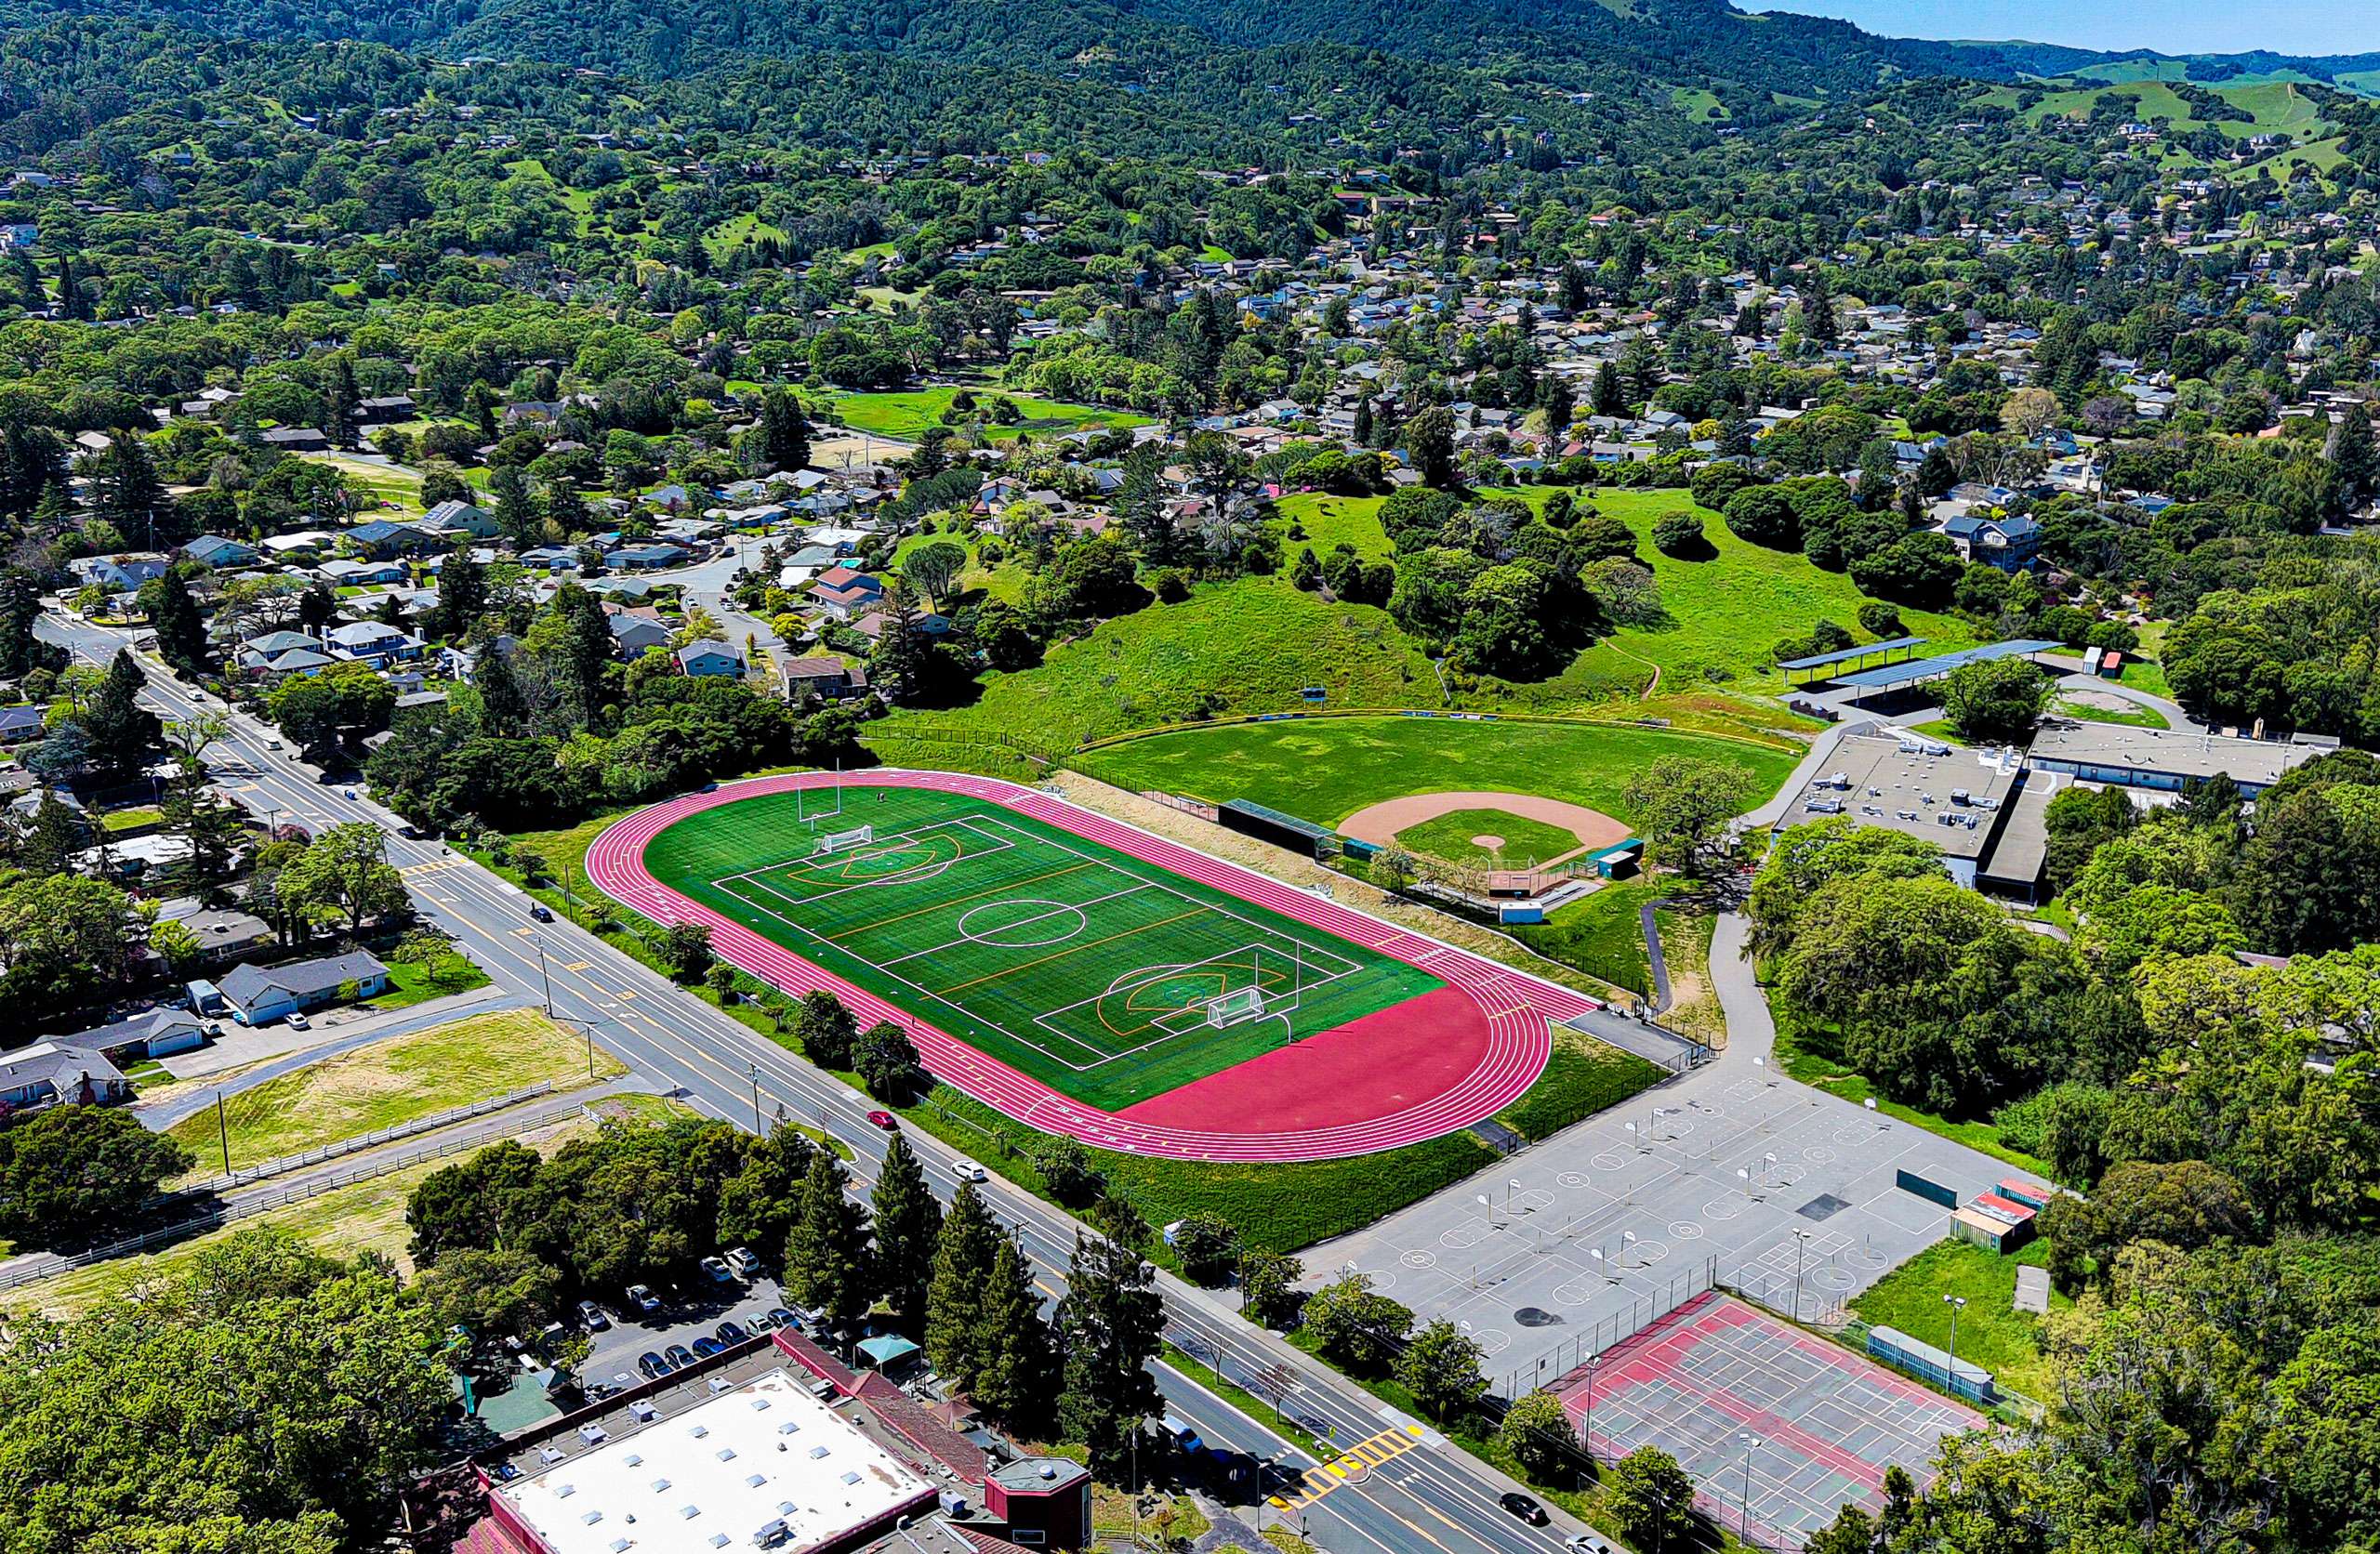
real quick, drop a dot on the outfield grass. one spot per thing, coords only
(1080, 966)
(391, 1081)
(1521, 841)
(1992, 1332)
(908, 414)
(1326, 768)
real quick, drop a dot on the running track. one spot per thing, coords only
(1517, 1006)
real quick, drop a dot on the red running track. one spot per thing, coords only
(1514, 1007)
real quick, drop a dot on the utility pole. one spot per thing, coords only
(223, 1131)
(547, 981)
(756, 1097)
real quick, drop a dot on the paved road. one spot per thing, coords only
(1440, 1496)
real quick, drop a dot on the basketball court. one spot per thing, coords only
(1745, 1401)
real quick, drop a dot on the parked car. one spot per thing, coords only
(643, 1298)
(591, 1317)
(652, 1366)
(299, 1022)
(717, 1270)
(745, 1261)
(541, 912)
(708, 1346)
(1523, 1507)
(679, 1355)
(967, 1170)
(730, 1333)
(1586, 1543)
(885, 1119)
(780, 1317)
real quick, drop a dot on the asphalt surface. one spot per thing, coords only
(1435, 1497)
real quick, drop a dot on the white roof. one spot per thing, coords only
(715, 1474)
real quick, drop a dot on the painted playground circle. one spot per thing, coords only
(1090, 979)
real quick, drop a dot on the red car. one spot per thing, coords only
(886, 1121)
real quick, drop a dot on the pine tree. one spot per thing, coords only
(503, 707)
(339, 398)
(515, 514)
(1110, 1326)
(908, 1223)
(131, 496)
(1607, 397)
(963, 1256)
(1363, 422)
(32, 460)
(1014, 1352)
(462, 593)
(828, 1264)
(123, 734)
(2352, 452)
(181, 634)
(784, 439)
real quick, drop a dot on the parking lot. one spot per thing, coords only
(690, 1309)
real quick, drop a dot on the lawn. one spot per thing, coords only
(1328, 522)
(2131, 716)
(1520, 842)
(143, 817)
(1326, 768)
(908, 414)
(399, 494)
(1992, 1332)
(2143, 674)
(1086, 968)
(410, 983)
(345, 1222)
(393, 1081)
(1251, 645)
(1602, 934)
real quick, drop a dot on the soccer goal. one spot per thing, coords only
(843, 841)
(1268, 981)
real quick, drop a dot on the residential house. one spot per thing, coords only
(153, 1034)
(54, 1074)
(295, 440)
(258, 995)
(638, 635)
(651, 556)
(828, 679)
(383, 540)
(214, 550)
(119, 575)
(709, 657)
(19, 724)
(345, 573)
(456, 518)
(372, 642)
(2006, 541)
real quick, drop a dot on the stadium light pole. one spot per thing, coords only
(1957, 1303)
(1587, 1415)
(1752, 1444)
(1801, 1256)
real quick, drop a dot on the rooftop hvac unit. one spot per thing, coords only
(1824, 806)
(771, 1533)
(1959, 796)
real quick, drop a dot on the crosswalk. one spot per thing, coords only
(1352, 1466)
(434, 866)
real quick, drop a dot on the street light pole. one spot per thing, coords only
(1801, 1252)
(1957, 1303)
(1744, 1528)
(540, 940)
(756, 1097)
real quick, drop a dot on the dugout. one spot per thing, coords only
(1283, 831)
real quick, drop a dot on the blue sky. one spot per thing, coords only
(2168, 26)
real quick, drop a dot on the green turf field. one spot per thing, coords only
(1090, 970)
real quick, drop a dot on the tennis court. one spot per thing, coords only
(1778, 1428)
(1106, 977)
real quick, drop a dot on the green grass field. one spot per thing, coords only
(1522, 842)
(908, 414)
(1992, 1332)
(391, 1082)
(1088, 969)
(1326, 768)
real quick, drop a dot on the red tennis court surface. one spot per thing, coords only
(1472, 1049)
(1828, 1422)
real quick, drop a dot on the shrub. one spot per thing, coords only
(1680, 534)
(1765, 516)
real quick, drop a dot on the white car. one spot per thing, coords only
(717, 1270)
(967, 1170)
(299, 1022)
(745, 1262)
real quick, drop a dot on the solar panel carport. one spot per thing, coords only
(1892, 675)
(1848, 656)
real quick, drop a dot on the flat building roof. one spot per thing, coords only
(1909, 784)
(2120, 747)
(720, 1474)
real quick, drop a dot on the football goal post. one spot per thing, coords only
(843, 841)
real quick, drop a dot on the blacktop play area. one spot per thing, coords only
(1724, 1175)
(1778, 1428)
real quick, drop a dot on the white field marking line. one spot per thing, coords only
(1055, 909)
(906, 876)
(1158, 1019)
(1264, 928)
(1022, 835)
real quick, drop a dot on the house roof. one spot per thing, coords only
(61, 1065)
(247, 984)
